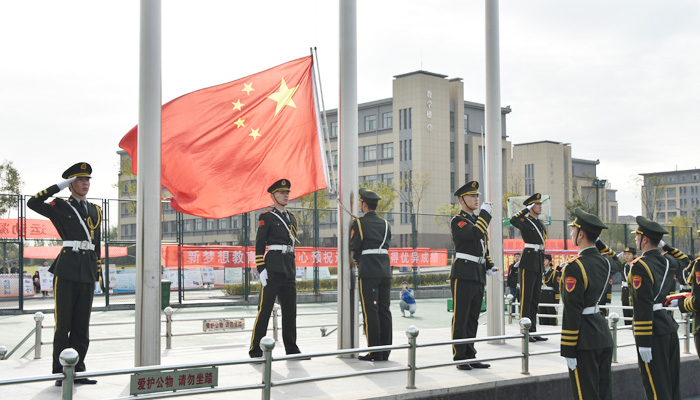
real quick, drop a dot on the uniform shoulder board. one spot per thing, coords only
(636, 259)
(265, 212)
(573, 258)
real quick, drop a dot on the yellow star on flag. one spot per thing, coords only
(283, 97)
(248, 87)
(237, 105)
(240, 122)
(254, 133)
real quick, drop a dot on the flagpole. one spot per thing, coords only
(348, 321)
(148, 209)
(495, 317)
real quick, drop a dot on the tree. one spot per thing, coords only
(653, 189)
(127, 187)
(681, 232)
(305, 215)
(10, 184)
(413, 189)
(578, 202)
(386, 192)
(446, 212)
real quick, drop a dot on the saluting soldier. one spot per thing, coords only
(469, 269)
(629, 255)
(549, 292)
(616, 265)
(75, 269)
(369, 243)
(678, 261)
(586, 342)
(277, 230)
(534, 233)
(691, 304)
(655, 330)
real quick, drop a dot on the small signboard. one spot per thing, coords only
(153, 382)
(223, 324)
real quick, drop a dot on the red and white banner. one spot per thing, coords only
(35, 229)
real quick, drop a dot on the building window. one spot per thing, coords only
(661, 205)
(452, 121)
(466, 123)
(452, 151)
(198, 225)
(334, 157)
(410, 149)
(671, 192)
(334, 129)
(661, 217)
(189, 225)
(405, 118)
(388, 150)
(387, 119)
(369, 179)
(452, 182)
(370, 123)
(529, 179)
(671, 205)
(224, 223)
(388, 179)
(466, 152)
(370, 152)
(696, 177)
(211, 224)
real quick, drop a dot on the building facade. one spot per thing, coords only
(669, 194)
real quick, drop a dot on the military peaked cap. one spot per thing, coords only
(369, 196)
(588, 222)
(282, 184)
(631, 249)
(535, 198)
(548, 257)
(81, 170)
(650, 228)
(471, 187)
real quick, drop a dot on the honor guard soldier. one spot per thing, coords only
(277, 230)
(469, 269)
(691, 304)
(549, 292)
(75, 269)
(655, 330)
(369, 244)
(616, 265)
(534, 233)
(629, 255)
(586, 342)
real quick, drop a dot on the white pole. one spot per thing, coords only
(348, 333)
(147, 350)
(495, 314)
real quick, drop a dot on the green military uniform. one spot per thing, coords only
(75, 268)
(468, 273)
(692, 304)
(651, 280)
(369, 244)
(585, 335)
(625, 290)
(549, 294)
(534, 233)
(678, 261)
(277, 231)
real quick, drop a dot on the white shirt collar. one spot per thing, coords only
(590, 247)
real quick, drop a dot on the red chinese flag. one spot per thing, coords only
(223, 146)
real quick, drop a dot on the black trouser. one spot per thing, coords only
(375, 294)
(626, 302)
(530, 283)
(467, 297)
(548, 296)
(660, 377)
(72, 308)
(592, 378)
(278, 286)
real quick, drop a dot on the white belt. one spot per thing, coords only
(547, 288)
(625, 284)
(375, 251)
(469, 257)
(284, 248)
(590, 310)
(658, 306)
(78, 245)
(534, 246)
(684, 287)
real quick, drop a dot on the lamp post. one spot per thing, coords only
(597, 184)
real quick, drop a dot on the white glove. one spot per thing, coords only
(486, 207)
(263, 278)
(645, 354)
(673, 303)
(491, 271)
(66, 183)
(620, 254)
(662, 243)
(530, 206)
(571, 363)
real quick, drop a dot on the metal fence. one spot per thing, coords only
(317, 230)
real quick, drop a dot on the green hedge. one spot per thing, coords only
(332, 284)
